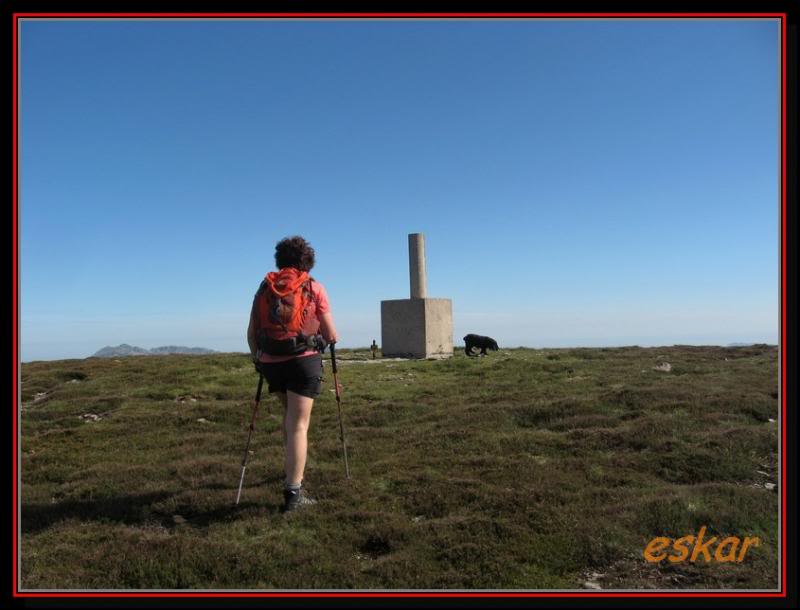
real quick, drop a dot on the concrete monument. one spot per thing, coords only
(419, 327)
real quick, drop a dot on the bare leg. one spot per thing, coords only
(296, 419)
(282, 399)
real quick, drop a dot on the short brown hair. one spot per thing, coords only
(294, 252)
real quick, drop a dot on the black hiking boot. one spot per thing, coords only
(294, 499)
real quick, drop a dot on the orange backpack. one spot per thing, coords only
(280, 306)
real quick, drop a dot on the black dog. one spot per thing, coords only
(479, 341)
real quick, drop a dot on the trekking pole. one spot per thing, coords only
(339, 408)
(250, 435)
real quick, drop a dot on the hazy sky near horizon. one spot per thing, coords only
(578, 182)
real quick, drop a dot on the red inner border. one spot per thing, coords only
(782, 16)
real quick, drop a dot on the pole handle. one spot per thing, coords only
(333, 357)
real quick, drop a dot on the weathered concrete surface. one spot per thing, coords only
(416, 266)
(403, 328)
(417, 328)
(438, 328)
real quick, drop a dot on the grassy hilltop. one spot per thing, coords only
(524, 469)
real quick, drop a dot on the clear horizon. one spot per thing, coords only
(457, 346)
(580, 183)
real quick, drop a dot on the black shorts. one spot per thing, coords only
(299, 375)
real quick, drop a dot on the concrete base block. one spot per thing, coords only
(417, 328)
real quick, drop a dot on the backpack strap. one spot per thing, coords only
(307, 288)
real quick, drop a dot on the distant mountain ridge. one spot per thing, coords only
(131, 350)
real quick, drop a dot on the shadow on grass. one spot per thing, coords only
(128, 509)
(132, 509)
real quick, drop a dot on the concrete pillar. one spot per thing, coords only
(419, 327)
(416, 265)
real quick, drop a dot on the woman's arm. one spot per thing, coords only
(251, 336)
(327, 328)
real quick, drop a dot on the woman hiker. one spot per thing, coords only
(290, 325)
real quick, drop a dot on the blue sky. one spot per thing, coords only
(578, 182)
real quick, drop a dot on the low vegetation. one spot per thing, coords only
(526, 469)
